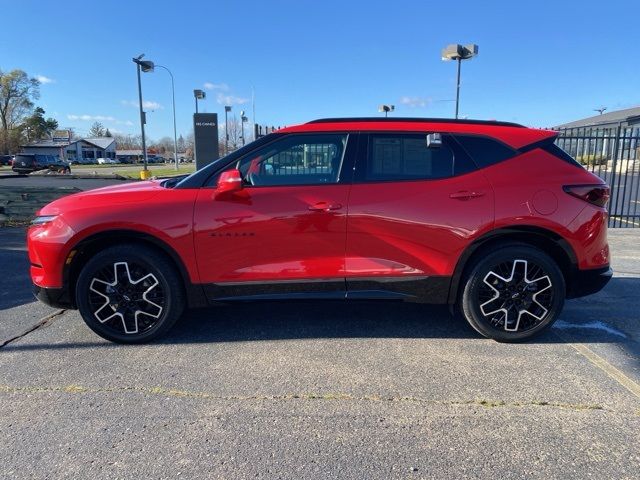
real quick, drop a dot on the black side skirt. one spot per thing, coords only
(433, 290)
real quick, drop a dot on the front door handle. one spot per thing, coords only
(325, 207)
(466, 195)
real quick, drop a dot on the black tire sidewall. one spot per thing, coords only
(470, 306)
(155, 263)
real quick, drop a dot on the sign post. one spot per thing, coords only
(205, 133)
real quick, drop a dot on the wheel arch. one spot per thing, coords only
(546, 240)
(86, 247)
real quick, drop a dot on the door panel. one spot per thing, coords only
(272, 234)
(414, 228)
(407, 227)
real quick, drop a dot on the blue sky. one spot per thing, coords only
(540, 63)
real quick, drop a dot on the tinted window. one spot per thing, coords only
(295, 160)
(407, 157)
(485, 151)
(553, 149)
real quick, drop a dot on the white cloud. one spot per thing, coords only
(415, 101)
(223, 99)
(44, 80)
(100, 118)
(216, 86)
(146, 104)
(91, 118)
(151, 105)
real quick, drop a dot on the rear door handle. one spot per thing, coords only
(325, 207)
(466, 195)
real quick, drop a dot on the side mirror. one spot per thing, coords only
(229, 182)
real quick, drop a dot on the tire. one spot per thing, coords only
(513, 293)
(130, 294)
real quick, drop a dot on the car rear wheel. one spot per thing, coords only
(513, 293)
(129, 294)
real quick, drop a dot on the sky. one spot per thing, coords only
(540, 63)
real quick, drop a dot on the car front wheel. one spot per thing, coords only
(129, 294)
(513, 293)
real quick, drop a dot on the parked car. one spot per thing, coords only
(6, 159)
(490, 218)
(27, 163)
(107, 161)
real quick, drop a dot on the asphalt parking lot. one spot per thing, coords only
(321, 390)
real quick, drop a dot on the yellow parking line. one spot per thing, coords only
(602, 364)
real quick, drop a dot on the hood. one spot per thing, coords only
(133, 192)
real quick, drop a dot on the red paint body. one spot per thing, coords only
(337, 231)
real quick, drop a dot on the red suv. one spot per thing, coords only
(490, 217)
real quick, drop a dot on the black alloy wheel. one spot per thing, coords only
(513, 293)
(129, 294)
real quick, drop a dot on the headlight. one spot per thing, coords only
(42, 219)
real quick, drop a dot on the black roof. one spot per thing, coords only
(416, 119)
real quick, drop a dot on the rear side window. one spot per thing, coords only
(555, 150)
(407, 157)
(485, 151)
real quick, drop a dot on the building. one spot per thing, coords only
(85, 150)
(135, 156)
(629, 117)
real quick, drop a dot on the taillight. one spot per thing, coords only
(595, 194)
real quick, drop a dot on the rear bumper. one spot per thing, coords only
(586, 282)
(54, 297)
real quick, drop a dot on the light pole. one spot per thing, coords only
(227, 109)
(199, 95)
(459, 52)
(149, 68)
(243, 119)
(144, 174)
(386, 109)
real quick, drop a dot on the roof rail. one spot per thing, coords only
(416, 119)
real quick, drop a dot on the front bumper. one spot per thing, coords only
(586, 282)
(54, 297)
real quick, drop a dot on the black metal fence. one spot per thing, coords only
(262, 130)
(614, 155)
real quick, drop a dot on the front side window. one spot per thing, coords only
(295, 160)
(408, 157)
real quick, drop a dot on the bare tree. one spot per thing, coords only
(164, 145)
(234, 128)
(128, 142)
(96, 130)
(17, 93)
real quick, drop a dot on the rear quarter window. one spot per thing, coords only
(485, 151)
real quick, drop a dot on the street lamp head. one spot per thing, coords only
(459, 52)
(227, 108)
(199, 94)
(386, 108)
(146, 65)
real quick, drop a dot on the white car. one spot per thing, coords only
(107, 161)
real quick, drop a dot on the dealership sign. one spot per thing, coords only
(61, 136)
(205, 129)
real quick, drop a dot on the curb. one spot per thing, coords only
(12, 175)
(111, 176)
